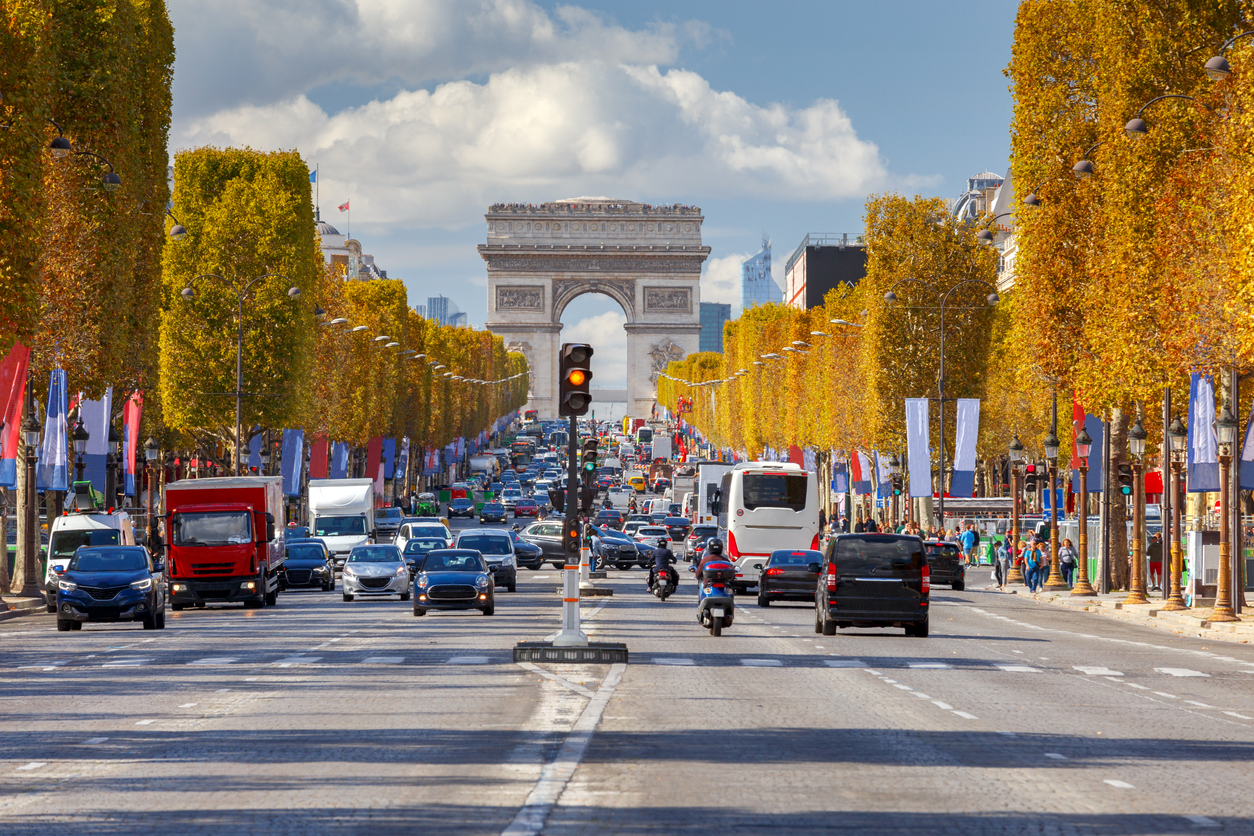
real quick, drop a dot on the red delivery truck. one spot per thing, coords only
(223, 544)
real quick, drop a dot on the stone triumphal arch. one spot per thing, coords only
(647, 258)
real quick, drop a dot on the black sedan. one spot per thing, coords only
(678, 528)
(454, 579)
(111, 583)
(492, 512)
(461, 508)
(944, 564)
(307, 566)
(527, 555)
(789, 575)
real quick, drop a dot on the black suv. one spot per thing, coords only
(945, 564)
(873, 580)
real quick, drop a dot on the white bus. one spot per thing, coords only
(764, 506)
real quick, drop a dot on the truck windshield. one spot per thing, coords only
(339, 526)
(227, 528)
(65, 543)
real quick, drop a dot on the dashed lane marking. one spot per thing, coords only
(1137, 687)
(1119, 785)
(189, 705)
(943, 706)
(761, 663)
(673, 661)
(966, 716)
(902, 687)
(383, 660)
(1092, 671)
(844, 663)
(1165, 694)
(127, 662)
(92, 741)
(468, 660)
(1181, 672)
(1238, 716)
(32, 766)
(299, 659)
(144, 722)
(214, 660)
(1199, 704)
(1201, 821)
(939, 666)
(1056, 756)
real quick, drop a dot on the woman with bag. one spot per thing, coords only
(1067, 561)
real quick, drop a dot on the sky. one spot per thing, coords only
(777, 119)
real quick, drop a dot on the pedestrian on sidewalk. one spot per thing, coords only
(1002, 567)
(967, 539)
(859, 527)
(1032, 567)
(1067, 561)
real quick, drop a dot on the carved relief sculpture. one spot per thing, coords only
(668, 299)
(526, 298)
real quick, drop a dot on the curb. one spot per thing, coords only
(19, 607)
(1181, 622)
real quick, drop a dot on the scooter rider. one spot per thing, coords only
(713, 553)
(663, 560)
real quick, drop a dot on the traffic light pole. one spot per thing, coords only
(571, 635)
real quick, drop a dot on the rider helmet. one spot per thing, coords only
(715, 547)
(661, 542)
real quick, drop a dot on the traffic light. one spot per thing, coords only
(1029, 478)
(588, 461)
(575, 394)
(587, 497)
(557, 497)
(897, 484)
(1125, 479)
(570, 538)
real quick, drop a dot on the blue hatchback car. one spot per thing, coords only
(111, 583)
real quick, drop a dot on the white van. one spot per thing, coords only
(72, 530)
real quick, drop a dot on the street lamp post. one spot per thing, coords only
(152, 450)
(1178, 438)
(942, 304)
(1083, 446)
(113, 458)
(1055, 580)
(1226, 425)
(30, 434)
(1136, 447)
(241, 294)
(80, 437)
(1016, 454)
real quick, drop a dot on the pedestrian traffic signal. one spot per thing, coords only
(588, 460)
(575, 393)
(1029, 479)
(1125, 479)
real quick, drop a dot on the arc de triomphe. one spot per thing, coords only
(646, 258)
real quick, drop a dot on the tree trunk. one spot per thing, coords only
(1116, 502)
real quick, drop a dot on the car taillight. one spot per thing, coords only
(814, 544)
(731, 545)
(831, 577)
(774, 570)
(927, 579)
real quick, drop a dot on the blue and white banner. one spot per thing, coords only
(840, 478)
(918, 447)
(293, 461)
(95, 417)
(967, 434)
(52, 473)
(339, 460)
(403, 464)
(883, 479)
(1203, 470)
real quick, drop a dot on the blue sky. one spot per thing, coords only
(422, 112)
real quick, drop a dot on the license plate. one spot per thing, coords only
(717, 612)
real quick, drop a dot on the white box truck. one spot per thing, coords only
(661, 447)
(341, 514)
(709, 475)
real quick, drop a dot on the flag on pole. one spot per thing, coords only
(313, 176)
(132, 412)
(52, 472)
(861, 466)
(1203, 467)
(344, 206)
(12, 396)
(918, 447)
(968, 430)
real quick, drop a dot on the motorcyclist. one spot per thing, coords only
(515, 528)
(663, 560)
(713, 554)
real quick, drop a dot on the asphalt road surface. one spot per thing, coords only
(323, 716)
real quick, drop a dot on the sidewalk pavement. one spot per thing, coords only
(18, 606)
(1190, 622)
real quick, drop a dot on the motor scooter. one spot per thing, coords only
(716, 603)
(663, 588)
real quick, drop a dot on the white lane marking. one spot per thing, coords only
(939, 666)
(761, 663)
(560, 680)
(673, 661)
(214, 660)
(383, 660)
(1181, 672)
(222, 690)
(1138, 687)
(32, 765)
(1056, 756)
(1165, 694)
(554, 777)
(127, 662)
(1007, 734)
(298, 659)
(541, 577)
(1240, 716)
(890, 681)
(844, 663)
(942, 705)
(467, 660)
(819, 647)
(966, 716)
(1202, 821)
(902, 687)
(1119, 785)
(1199, 704)
(189, 705)
(920, 695)
(1018, 668)
(1092, 671)
(92, 741)
(144, 722)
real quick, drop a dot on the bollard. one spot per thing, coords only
(570, 634)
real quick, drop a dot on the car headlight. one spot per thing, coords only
(423, 580)
(482, 580)
(509, 561)
(349, 573)
(146, 583)
(402, 570)
(67, 586)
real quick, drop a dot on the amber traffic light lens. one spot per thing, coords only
(577, 377)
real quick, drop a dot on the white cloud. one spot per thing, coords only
(542, 132)
(720, 280)
(604, 332)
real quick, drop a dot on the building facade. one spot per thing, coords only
(756, 285)
(713, 315)
(822, 262)
(977, 200)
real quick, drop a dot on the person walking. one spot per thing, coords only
(1002, 566)
(1067, 561)
(967, 541)
(1032, 567)
(859, 527)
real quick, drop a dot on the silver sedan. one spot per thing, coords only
(376, 570)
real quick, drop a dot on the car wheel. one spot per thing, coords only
(52, 607)
(347, 597)
(176, 607)
(404, 596)
(76, 625)
(419, 611)
(64, 625)
(513, 587)
(161, 620)
(959, 586)
(150, 623)
(829, 627)
(272, 599)
(200, 605)
(533, 568)
(763, 601)
(489, 610)
(918, 630)
(818, 623)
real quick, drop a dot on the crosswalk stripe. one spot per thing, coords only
(673, 661)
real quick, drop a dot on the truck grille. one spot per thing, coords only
(102, 593)
(215, 593)
(299, 576)
(212, 568)
(451, 593)
(374, 583)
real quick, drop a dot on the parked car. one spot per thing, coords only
(945, 564)
(526, 508)
(873, 580)
(493, 512)
(307, 566)
(111, 583)
(376, 570)
(497, 548)
(527, 555)
(454, 579)
(547, 536)
(461, 508)
(788, 575)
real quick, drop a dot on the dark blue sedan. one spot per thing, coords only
(454, 579)
(307, 565)
(111, 583)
